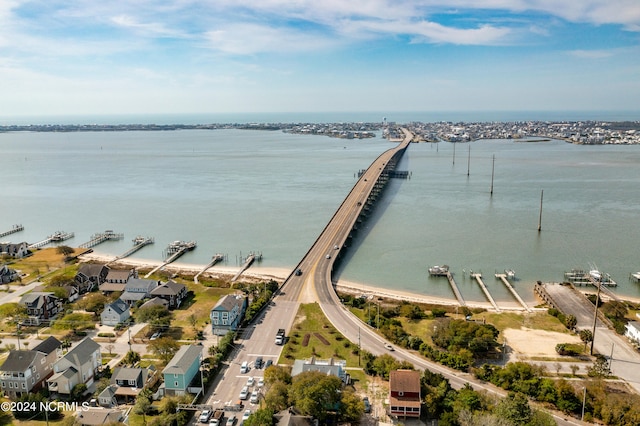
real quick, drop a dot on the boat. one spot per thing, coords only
(510, 273)
(439, 270)
(595, 274)
(636, 276)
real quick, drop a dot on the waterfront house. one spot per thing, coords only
(404, 393)
(7, 274)
(329, 367)
(227, 314)
(90, 276)
(16, 251)
(117, 279)
(41, 306)
(172, 292)
(25, 371)
(138, 289)
(79, 365)
(181, 370)
(632, 331)
(156, 301)
(115, 313)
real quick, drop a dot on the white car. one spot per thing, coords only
(254, 397)
(260, 382)
(246, 415)
(205, 416)
(388, 346)
(244, 393)
(251, 381)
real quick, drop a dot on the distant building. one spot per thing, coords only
(126, 384)
(227, 314)
(334, 367)
(181, 370)
(115, 313)
(633, 331)
(98, 416)
(116, 280)
(404, 393)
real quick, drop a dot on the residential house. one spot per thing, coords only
(404, 393)
(172, 292)
(126, 384)
(289, 417)
(90, 276)
(117, 279)
(98, 416)
(25, 371)
(7, 274)
(79, 365)
(115, 313)
(156, 301)
(327, 366)
(632, 331)
(16, 251)
(181, 370)
(41, 306)
(138, 289)
(227, 314)
(71, 292)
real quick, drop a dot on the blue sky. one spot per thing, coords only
(185, 56)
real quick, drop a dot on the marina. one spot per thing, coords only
(101, 238)
(56, 237)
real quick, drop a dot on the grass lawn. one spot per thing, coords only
(313, 335)
(42, 262)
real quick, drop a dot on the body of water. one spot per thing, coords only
(237, 191)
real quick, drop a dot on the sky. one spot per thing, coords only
(60, 57)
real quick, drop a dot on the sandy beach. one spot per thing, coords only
(258, 273)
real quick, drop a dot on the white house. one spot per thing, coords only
(633, 331)
(79, 365)
(115, 313)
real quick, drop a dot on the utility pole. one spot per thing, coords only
(595, 317)
(584, 400)
(611, 358)
(359, 347)
(129, 330)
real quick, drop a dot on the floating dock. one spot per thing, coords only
(581, 277)
(505, 281)
(478, 278)
(16, 228)
(101, 238)
(174, 251)
(138, 243)
(56, 237)
(215, 259)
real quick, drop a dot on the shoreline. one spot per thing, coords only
(280, 274)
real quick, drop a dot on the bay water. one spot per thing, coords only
(236, 191)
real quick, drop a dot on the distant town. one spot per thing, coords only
(578, 132)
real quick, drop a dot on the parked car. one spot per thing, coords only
(231, 421)
(255, 396)
(260, 382)
(251, 381)
(244, 393)
(268, 363)
(246, 414)
(298, 272)
(258, 362)
(155, 335)
(205, 416)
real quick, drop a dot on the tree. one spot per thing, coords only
(77, 391)
(276, 397)
(586, 336)
(315, 394)
(164, 347)
(142, 407)
(156, 316)
(131, 358)
(12, 311)
(514, 408)
(65, 250)
(277, 373)
(93, 302)
(570, 321)
(262, 417)
(351, 406)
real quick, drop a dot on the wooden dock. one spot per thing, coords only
(101, 238)
(478, 278)
(455, 289)
(215, 259)
(248, 262)
(56, 237)
(178, 248)
(505, 281)
(16, 228)
(138, 242)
